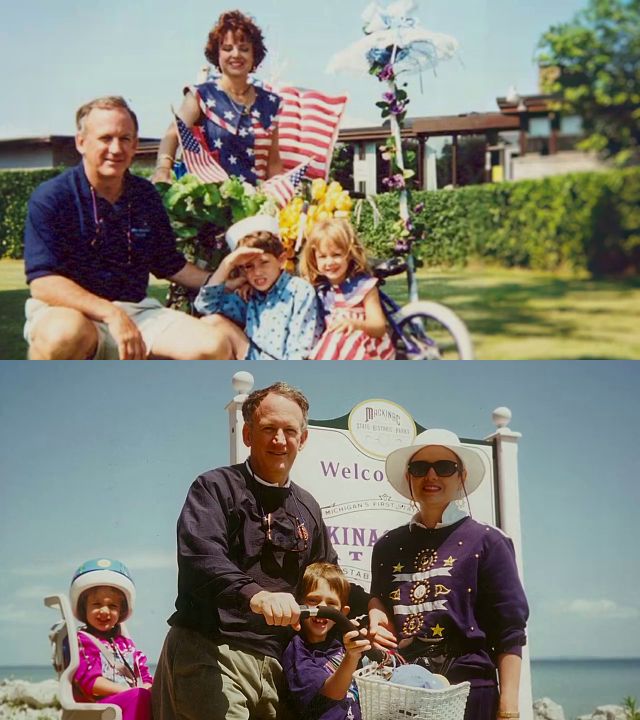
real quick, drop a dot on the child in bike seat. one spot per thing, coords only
(333, 260)
(319, 666)
(111, 670)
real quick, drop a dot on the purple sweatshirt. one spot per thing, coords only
(307, 667)
(456, 586)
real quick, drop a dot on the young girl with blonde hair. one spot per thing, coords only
(334, 262)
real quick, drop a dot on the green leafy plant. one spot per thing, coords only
(200, 213)
(630, 708)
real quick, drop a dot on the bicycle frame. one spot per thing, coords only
(390, 307)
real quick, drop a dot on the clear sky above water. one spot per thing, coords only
(57, 55)
(97, 459)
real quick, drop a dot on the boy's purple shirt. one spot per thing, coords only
(307, 667)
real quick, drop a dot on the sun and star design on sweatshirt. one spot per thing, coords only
(427, 592)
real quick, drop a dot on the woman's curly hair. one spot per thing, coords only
(238, 24)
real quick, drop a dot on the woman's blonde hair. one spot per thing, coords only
(340, 233)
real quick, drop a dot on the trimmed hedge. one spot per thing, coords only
(584, 221)
(15, 188)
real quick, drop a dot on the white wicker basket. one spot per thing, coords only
(384, 700)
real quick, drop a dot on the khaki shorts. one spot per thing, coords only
(151, 318)
(196, 679)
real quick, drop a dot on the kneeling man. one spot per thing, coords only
(93, 234)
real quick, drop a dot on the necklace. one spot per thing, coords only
(239, 105)
(240, 108)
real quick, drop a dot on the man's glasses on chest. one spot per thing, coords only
(100, 237)
(289, 536)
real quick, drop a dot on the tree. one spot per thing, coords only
(342, 165)
(597, 55)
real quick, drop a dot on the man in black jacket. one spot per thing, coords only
(245, 535)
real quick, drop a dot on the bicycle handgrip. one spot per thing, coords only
(342, 622)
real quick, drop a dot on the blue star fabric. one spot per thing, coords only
(239, 135)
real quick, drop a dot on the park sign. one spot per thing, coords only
(342, 466)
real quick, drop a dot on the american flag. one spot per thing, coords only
(198, 159)
(308, 125)
(283, 187)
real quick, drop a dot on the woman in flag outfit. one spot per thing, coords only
(233, 117)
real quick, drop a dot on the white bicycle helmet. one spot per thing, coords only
(100, 572)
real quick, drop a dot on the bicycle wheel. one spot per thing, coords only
(430, 331)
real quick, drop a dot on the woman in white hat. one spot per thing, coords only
(446, 586)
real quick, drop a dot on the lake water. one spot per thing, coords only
(578, 685)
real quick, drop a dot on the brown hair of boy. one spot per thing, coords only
(333, 576)
(264, 241)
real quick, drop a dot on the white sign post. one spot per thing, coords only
(342, 466)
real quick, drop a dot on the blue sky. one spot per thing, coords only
(57, 55)
(97, 460)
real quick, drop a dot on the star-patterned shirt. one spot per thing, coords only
(239, 136)
(454, 590)
(307, 667)
(281, 324)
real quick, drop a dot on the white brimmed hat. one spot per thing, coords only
(98, 573)
(475, 462)
(249, 226)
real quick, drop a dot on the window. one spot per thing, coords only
(539, 127)
(571, 125)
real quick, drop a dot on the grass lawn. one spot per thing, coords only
(511, 314)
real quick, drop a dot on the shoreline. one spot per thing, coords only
(24, 700)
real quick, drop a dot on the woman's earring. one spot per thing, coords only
(413, 504)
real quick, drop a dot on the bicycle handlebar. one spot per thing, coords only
(342, 622)
(330, 613)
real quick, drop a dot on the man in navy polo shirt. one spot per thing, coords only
(93, 235)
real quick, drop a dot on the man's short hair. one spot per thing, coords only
(332, 574)
(265, 241)
(108, 102)
(251, 404)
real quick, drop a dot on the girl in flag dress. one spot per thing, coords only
(235, 118)
(333, 260)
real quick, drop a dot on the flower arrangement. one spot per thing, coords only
(323, 200)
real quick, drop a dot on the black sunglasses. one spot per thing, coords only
(443, 468)
(292, 539)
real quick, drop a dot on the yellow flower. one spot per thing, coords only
(329, 202)
(344, 202)
(318, 188)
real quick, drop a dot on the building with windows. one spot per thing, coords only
(527, 138)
